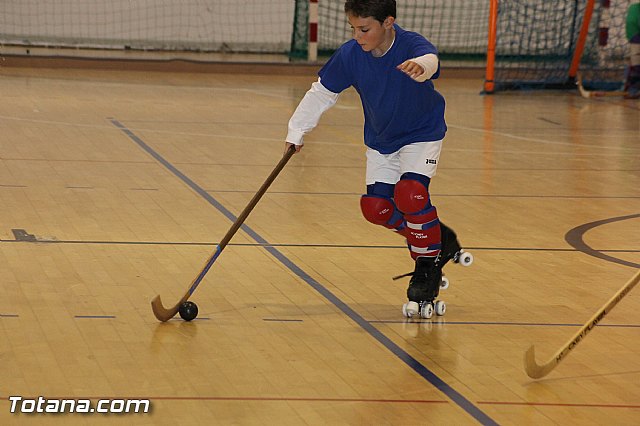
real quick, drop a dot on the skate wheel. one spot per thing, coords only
(410, 309)
(426, 310)
(444, 283)
(440, 308)
(466, 259)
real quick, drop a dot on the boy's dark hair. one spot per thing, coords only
(377, 9)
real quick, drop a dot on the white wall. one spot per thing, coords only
(254, 25)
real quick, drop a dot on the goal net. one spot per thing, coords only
(536, 42)
(543, 44)
(458, 28)
(605, 59)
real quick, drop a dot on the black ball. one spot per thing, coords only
(188, 311)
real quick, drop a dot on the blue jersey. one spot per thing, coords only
(397, 109)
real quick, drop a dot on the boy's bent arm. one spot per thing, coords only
(429, 64)
(315, 102)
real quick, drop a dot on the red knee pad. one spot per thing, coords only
(410, 196)
(376, 209)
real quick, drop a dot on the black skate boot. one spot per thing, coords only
(451, 250)
(424, 288)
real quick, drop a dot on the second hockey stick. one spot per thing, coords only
(597, 93)
(536, 371)
(163, 314)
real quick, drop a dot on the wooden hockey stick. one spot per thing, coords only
(597, 93)
(163, 314)
(536, 371)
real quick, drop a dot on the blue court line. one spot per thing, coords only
(423, 371)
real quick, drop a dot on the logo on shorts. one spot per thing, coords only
(429, 161)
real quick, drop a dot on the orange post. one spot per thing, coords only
(489, 84)
(582, 38)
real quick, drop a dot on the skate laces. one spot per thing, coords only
(397, 277)
(410, 274)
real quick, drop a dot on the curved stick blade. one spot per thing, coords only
(581, 89)
(160, 312)
(597, 93)
(536, 371)
(532, 368)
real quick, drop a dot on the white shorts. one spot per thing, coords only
(419, 157)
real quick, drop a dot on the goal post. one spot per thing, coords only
(489, 83)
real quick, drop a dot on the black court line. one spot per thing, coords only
(501, 324)
(75, 160)
(358, 194)
(195, 319)
(410, 361)
(240, 191)
(579, 197)
(94, 316)
(26, 237)
(575, 238)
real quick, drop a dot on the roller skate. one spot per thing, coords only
(632, 86)
(424, 289)
(633, 92)
(451, 250)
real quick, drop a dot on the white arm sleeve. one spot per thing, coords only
(429, 63)
(315, 102)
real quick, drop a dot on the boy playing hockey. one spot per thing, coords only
(392, 71)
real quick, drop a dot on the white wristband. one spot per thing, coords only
(429, 64)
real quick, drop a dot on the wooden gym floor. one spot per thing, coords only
(115, 187)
